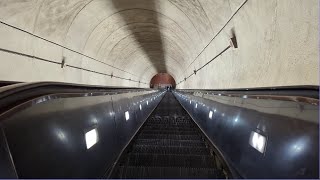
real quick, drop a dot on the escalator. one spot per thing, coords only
(113, 132)
(169, 145)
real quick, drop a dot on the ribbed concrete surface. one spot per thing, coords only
(136, 39)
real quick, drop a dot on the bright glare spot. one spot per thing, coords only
(297, 148)
(258, 141)
(210, 114)
(147, 102)
(127, 115)
(190, 101)
(91, 138)
(219, 94)
(236, 120)
(222, 114)
(245, 96)
(61, 136)
(214, 110)
(140, 107)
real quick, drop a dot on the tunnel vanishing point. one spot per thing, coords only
(159, 89)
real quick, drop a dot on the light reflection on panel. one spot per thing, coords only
(127, 115)
(258, 141)
(210, 114)
(61, 135)
(91, 138)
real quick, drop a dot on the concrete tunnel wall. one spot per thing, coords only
(136, 39)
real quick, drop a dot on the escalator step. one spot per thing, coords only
(166, 172)
(170, 150)
(170, 142)
(171, 132)
(169, 136)
(176, 125)
(169, 160)
(169, 128)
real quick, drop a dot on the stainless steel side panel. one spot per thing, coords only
(291, 144)
(47, 139)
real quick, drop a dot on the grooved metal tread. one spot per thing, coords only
(172, 172)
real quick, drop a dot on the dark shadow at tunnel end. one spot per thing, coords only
(149, 41)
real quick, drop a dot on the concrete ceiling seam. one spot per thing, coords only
(37, 16)
(158, 25)
(132, 34)
(118, 12)
(159, 63)
(163, 37)
(145, 71)
(169, 63)
(142, 45)
(140, 23)
(150, 67)
(197, 16)
(139, 9)
(180, 65)
(188, 19)
(65, 36)
(145, 10)
(174, 63)
(206, 15)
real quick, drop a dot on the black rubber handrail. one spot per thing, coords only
(6, 83)
(16, 94)
(303, 91)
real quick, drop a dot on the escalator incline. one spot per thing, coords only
(168, 145)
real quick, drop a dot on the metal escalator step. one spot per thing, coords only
(176, 125)
(169, 142)
(171, 132)
(170, 160)
(172, 121)
(169, 136)
(147, 149)
(169, 128)
(179, 124)
(166, 172)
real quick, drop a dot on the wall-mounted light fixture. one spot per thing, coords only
(127, 116)
(91, 138)
(258, 141)
(210, 114)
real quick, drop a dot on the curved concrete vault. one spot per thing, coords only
(127, 42)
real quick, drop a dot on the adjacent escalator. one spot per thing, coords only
(169, 145)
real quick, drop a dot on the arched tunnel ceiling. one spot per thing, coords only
(141, 37)
(158, 36)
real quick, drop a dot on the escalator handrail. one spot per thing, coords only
(308, 91)
(15, 94)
